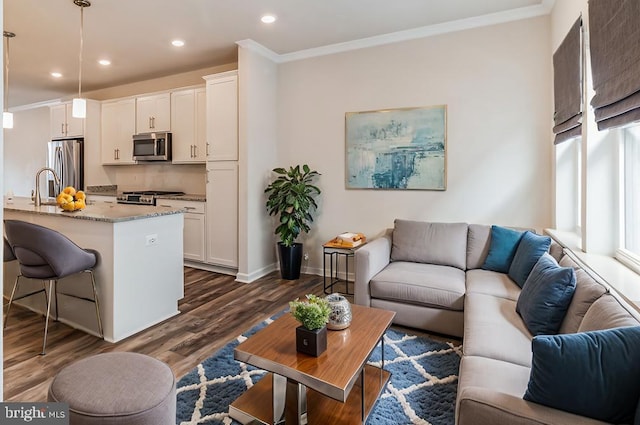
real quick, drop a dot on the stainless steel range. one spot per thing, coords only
(143, 197)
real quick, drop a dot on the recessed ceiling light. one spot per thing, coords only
(104, 62)
(178, 43)
(56, 75)
(268, 19)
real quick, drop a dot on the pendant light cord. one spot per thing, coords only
(6, 73)
(80, 56)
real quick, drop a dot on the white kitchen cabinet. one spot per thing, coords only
(62, 122)
(188, 118)
(222, 116)
(153, 113)
(194, 227)
(222, 213)
(118, 127)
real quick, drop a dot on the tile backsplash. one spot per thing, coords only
(188, 178)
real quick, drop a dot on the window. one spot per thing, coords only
(629, 252)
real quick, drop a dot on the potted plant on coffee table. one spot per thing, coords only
(313, 313)
(291, 196)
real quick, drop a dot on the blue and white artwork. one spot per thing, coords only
(397, 149)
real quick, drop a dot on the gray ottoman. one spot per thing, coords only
(117, 388)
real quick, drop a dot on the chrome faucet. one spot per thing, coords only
(36, 198)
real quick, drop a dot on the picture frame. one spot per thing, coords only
(397, 149)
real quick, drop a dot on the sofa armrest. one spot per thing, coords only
(482, 406)
(370, 260)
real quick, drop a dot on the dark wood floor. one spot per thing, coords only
(214, 310)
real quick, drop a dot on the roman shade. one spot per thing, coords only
(615, 61)
(567, 85)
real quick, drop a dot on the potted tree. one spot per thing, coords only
(291, 197)
(313, 313)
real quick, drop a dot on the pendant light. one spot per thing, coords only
(79, 109)
(7, 117)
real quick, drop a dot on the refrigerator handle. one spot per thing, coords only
(58, 166)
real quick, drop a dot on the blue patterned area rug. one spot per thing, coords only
(422, 389)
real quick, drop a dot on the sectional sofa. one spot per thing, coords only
(516, 368)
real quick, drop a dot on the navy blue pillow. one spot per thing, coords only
(502, 248)
(546, 296)
(594, 374)
(530, 249)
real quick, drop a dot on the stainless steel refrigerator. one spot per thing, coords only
(66, 157)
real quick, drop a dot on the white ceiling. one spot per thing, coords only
(135, 34)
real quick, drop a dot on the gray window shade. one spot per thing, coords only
(614, 28)
(567, 85)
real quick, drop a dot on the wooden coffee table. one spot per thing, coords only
(305, 389)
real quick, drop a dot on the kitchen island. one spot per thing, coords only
(139, 274)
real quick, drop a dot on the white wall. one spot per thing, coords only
(495, 82)
(258, 79)
(25, 150)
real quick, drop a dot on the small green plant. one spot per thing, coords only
(312, 313)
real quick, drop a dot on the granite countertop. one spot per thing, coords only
(112, 213)
(186, 197)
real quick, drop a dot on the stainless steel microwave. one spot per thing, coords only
(152, 147)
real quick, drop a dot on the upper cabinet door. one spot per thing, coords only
(222, 117)
(118, 125)
(58, 121)
(153, 113)
(200, 149)
(183, 128)
(63, 124)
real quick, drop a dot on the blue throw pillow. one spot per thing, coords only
(594, 374)
(502, 248)
(546, 296)
(530, 249)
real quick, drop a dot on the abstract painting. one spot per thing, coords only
(397, 149)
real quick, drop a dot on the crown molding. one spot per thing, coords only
(36, 105)
(544, 8)
(259, 49)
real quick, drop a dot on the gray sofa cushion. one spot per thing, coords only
(422, 284)
(478, 242)
(605, 313)
(432, 243)
(490, 393)
(491, 283)
(587, 292)
(493, 329)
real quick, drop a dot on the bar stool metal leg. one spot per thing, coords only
(46, 320)
(13, 292)
(95, 298)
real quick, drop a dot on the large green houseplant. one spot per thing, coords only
(291, 197)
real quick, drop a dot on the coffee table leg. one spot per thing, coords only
(362, 408)
(279, 396)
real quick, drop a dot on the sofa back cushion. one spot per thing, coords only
(433, 243)
(587, 292)
(605, 313)
(478, 241)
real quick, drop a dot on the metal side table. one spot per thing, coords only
(334, 253)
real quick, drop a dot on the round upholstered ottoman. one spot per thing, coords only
(117, 388)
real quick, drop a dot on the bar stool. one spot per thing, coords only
(47, 255)
(8, 252)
